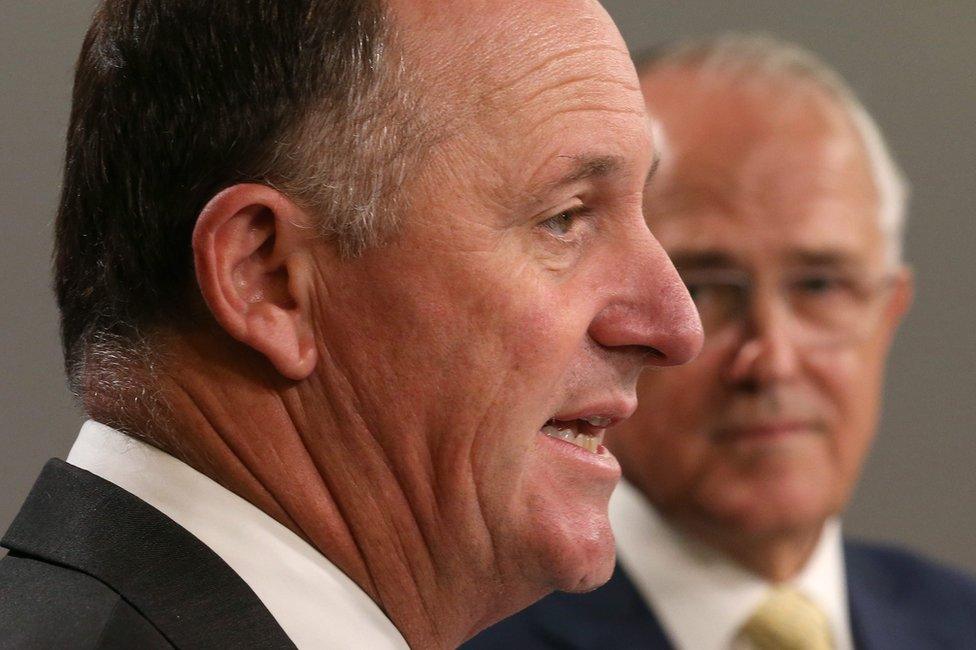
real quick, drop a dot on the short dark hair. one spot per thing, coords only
(175, 100)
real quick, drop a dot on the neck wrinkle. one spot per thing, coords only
(314, 466)
(384, 488)
(394, 563)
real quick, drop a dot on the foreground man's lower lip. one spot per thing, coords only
(599, 461)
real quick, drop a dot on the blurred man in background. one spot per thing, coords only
(783, 212)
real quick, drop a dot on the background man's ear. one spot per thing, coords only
(249, 248)
(902, 296)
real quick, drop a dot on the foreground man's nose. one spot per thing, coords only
(651, 309)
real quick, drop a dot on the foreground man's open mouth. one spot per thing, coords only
(586, 433)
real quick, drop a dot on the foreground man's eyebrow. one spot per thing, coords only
(588, 166)
(584, 167)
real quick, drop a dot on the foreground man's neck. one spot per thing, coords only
(337, 492)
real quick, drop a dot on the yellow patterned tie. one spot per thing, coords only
(788, 620)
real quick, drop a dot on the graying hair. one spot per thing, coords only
(758, 57)
(342, 153)
(347, 161)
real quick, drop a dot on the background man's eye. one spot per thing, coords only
(819, 284)
(714, 293)
(694, 289)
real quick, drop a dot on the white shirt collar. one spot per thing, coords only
(701, 597)
(316, 604)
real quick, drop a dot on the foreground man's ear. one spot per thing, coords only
(250, 247)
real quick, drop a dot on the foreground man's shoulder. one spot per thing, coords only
(43, 605)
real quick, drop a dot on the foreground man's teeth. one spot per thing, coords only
(567, 431)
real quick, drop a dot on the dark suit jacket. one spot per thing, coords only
(898, 601)
(92, 566)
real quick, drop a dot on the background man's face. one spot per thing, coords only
(766, 431)
(523, 286)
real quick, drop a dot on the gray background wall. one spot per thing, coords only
(912, 63)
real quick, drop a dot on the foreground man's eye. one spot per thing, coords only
(562, 224)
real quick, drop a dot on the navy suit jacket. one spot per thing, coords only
(92, 566)
(898, 601)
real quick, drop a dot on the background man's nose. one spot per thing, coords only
(766, 352)
(650, 309)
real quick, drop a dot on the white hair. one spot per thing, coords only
(759, 56)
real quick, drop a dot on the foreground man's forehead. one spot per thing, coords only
(510, 72)
(459, 12)
(478, 35)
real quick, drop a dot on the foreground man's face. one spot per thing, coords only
(491, 343)
(766, 431)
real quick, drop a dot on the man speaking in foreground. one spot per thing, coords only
(783, 212)
(350, 291)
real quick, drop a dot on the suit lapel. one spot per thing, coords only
(876, 620)
(81, 521)
(613, 616)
